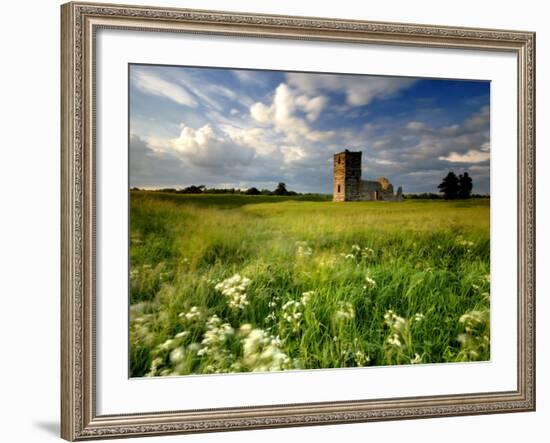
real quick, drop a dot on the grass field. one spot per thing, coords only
(233, 283)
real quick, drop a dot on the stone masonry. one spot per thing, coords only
(348, 185)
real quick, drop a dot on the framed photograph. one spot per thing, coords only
(283, 221)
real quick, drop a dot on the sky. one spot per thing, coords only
(229, 128)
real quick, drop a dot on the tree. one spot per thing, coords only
(280, 190)
(193, 189)
(252, 191)
(465, 185)
(449, 186)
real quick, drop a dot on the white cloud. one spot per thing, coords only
(206, 147)
(292, 154)
(154, 85)
(249, 77)
(415, 126)
(312, 106)
(360, 90)
(260, 112)
(282, 115)
(254, 138)
(471, 156)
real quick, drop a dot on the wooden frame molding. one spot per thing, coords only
(80, 21)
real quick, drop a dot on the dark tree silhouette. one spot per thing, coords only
(449, 186)
(280, 190)
(193, 189)
(465, 185)
(252, 191)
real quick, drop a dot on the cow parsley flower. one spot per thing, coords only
(394, 340)
(345, 312)
(234, 288)
(194, 314)
(262, 352)
(371, 283)
(303, 249)
(307, 296)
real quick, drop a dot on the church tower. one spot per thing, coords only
(347, 176)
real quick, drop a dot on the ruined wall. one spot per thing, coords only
(348, 186)
(369, 190)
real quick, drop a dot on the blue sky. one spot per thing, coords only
(243, 128)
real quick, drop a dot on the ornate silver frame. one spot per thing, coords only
(80, 21)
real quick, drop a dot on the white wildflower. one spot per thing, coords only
(460, 241)
(194, 347)
(168, 344)
(292, 313)
(177, 355)
(203, 351)
(367, 253)
(154, 367)
(307, 296)
(371, 283)
(473, 319)
(345, 311)
(245, 329)
(263, 353)
(302, 249)
(194, 314)
(361, 358)
(234, 289)
(215, 336)
(417, 359)
(418, 317)
(271, 317)
(474, 341)
(182, 334)
(395, 322)
(394, 340)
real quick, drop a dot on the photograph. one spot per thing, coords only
(296, 221)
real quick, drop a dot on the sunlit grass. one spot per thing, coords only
(230, 283)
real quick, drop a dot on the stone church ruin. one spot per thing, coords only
(348, 185)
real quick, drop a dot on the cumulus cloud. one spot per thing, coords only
(359, 90)
(416, 126)
(152, 84)
(150, 168)
(293, 153)
(282, 114)
(255, 138)
(311, 106)
(206, 148)
(471, 156)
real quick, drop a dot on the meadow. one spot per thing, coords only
(236, 283)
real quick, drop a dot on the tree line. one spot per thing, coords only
(201, 189)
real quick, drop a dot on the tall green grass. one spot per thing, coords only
(384, 283)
